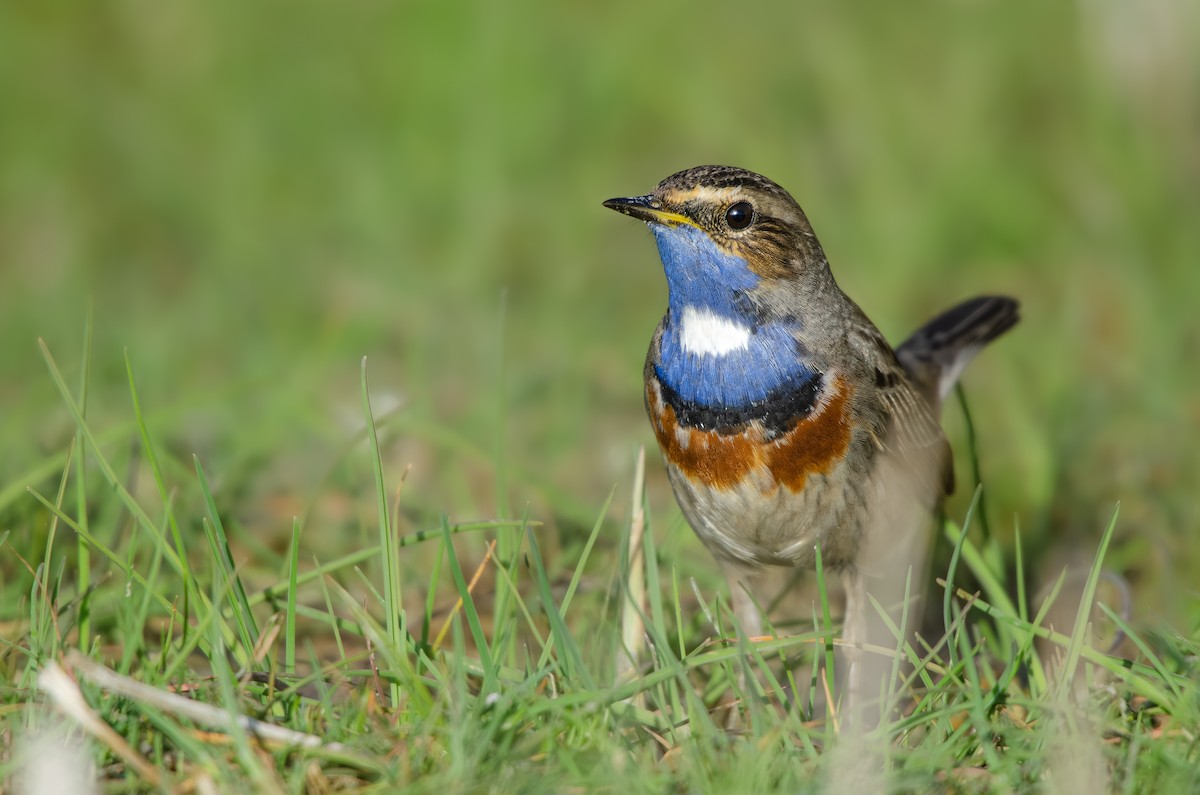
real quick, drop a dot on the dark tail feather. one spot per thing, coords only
(935, 355)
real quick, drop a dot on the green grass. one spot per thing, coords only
(211, 212)
(532, 699)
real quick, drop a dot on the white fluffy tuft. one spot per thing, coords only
(706, 333)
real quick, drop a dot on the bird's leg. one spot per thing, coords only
(854, 634)
(745, 585)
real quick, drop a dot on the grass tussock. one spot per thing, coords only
(174, 666)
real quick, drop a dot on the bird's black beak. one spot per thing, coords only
(648, 209)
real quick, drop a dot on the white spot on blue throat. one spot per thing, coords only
(705, 333)
(716, 349)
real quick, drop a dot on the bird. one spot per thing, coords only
(788, 425)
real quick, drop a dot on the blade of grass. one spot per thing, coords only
(156, 470)
(1083, 614)
(476, 627)
(137, 617)
(131, 504)
(569, 657)
(1147, 652)
(1133, 674)
(577, 575)
(439, 557)
(289, 641)
(125, 567)
(1037, 671)
(504, 573)
(952, 570)
(415, 690)
(458, 605)
(337, 632)
(390, 564)
(235, 723)
(508, 541)
(83, 560)
(223, 556)
(44, 613)
(548, 647)
(973, 449)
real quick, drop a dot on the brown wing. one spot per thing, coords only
(912, 432)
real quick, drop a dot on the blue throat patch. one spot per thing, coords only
(702, 276)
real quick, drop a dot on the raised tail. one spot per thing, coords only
(936, 353)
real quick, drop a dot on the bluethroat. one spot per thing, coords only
(786, 421)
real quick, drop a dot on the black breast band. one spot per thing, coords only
(777, 412)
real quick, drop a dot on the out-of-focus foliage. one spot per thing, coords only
(254, 195)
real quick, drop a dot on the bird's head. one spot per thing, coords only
(723, 230)
(740, 257)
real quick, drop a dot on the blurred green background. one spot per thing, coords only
(252, 196)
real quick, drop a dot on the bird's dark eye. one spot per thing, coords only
(739, 215)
